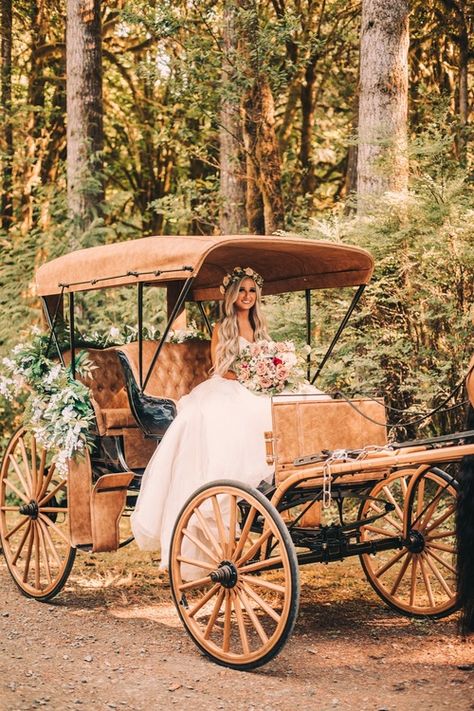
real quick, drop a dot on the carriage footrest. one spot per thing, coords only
(107, 503)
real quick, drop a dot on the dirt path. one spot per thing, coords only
(112, 640)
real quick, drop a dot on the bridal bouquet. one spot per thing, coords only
(269, 367)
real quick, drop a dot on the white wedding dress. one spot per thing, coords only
(218, 433)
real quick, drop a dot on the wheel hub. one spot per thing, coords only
(415, 541)
(226, 574)
(30, 509)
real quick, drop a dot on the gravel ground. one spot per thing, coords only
(112, 640)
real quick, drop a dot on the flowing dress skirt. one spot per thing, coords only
(218, 433)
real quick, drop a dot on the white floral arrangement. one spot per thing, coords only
(191, 332)
(58, 409)
(269, 367)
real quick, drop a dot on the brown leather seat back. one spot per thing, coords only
(178, 369)
(108, 390)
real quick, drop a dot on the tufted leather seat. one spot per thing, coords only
(178, 369)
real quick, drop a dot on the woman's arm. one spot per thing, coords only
(229, 375)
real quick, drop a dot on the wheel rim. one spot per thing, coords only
(236, 608)
(34, 524)
(420, 578)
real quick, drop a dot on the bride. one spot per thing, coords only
(218, 432)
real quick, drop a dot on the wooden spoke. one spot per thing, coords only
(427, 582)
(443, 534)
(379, 531)
(53, 509)
(26, 487)
(260, 602)
(260, 565)
(436, 572)
(26, 465)
(256, 580)
(16, 528)
(37, 556)
(215, 613)
(55, 528)
(403, 485)
(200, 545)
(219, 522)
(40, 471)
(391, 498)
(195, 584)
(245, 533)
(421, 499)
(16, 491)
(44, 483)
(413, 580)
(251, 613)
(227, 620)
(444, 563)
(441, 547)
(205, 598)
(60, 485)
(28, 552)
(210, 536)
(9, 508)
(34, 463)
(240, 623)
(430, 509)
(50, 542)
(441, 519)
(195, 563)
(21, 544)
(401, 573)
(44, 553)
(383, 569)
(397, 526)
(233, 520)
(255, 547)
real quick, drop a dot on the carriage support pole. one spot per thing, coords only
(342, 326)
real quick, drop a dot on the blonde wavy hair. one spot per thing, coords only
(228, 345)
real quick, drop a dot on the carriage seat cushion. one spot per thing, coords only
(178, 369)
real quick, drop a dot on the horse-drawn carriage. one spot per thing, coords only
(340, 489)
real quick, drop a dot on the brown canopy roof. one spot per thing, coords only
(286, 264)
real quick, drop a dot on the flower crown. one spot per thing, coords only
(239, 273)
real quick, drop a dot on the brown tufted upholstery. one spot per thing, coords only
(108, 391)
(179, 368)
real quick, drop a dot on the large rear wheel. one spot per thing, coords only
(34, 526)
(234, 574)
(418, 579)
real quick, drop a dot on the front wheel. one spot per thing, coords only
(419, 578)
(34, 524)
(234, 574)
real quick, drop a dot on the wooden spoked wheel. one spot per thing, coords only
(418, 579)
(34, 527)
(234, 574)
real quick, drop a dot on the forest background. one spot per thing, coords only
(340, 120)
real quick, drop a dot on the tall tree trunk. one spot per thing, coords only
(84, 109)
(383, 99)
(232, 181)
(458, 7)
(263, 187)
(6, 205)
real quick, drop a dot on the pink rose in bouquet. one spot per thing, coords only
(270, 367)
